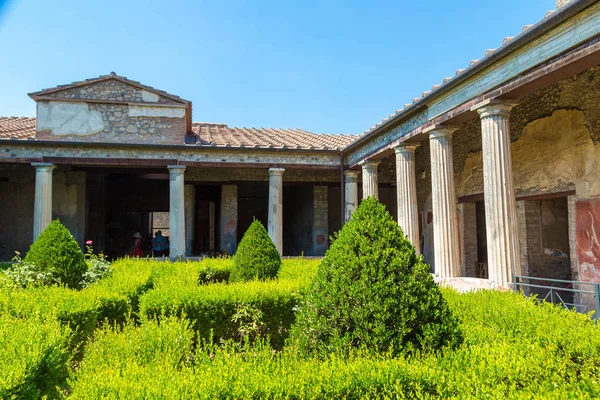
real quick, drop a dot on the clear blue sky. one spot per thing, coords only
(323, 66)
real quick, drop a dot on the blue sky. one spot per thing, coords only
(324, 66)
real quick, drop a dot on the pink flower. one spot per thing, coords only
(89, 242)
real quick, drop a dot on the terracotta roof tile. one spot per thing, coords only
(220, 135)
(209, 134)
(17, 127)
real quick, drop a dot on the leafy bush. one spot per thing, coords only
(211, 308)
(98, 266)
(372, 291)
(256, 256)
(57, 252)
(33, 357)
(508, 364)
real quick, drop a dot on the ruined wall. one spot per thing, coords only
(110, 111)
(320, 227)
(229, 217)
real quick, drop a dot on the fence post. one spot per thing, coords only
(516, 285)
(597, 295)
(552, 295)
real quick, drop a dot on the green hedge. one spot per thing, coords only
(513, 348)
(230, 310)
(33, 357)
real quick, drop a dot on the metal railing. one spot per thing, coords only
(560, 295)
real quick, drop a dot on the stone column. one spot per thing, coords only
(42, 208)
(176, 211)
(189, 193)
(229, 216)
(351, 193)
(276, 207)
(445, 229)
(320, 220)
(370, 179)
(499, 193)
(406, 190)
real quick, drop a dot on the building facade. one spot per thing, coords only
(491, 173)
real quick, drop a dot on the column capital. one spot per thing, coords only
(491, 107)
(369, 163)
(351, 173)
(406, 147)
(276, 171)
(43, 166)
(176, 169)
(437, 131)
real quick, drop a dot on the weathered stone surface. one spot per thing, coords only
(320, 225)
(62, 118)
(552, 154)
(149, 111)
(111, 90)
(229, 218)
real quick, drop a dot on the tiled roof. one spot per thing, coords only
(16, 127)
(112, 75)
(208, 134)
(217, 135)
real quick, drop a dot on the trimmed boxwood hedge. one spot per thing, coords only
(513, 348)
(256, 256)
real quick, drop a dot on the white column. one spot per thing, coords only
(499, 193)
(370, 179)
(445, 229)
(350, 193)
(190, 217)
(42, 209)
(276, 207)
(176, 211)
(406, 189)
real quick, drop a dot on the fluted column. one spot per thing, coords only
(176, 211)
(276, 207)
(370, 179)
(499, 193)
(406, 190)
(42, 208)
(445, 229)
(351, 193)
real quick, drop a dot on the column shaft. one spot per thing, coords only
(351, 193)
(275, 227)
(406, 188)
(370, 179)
(500, 202)
(445, 229)
(42, 209)
(176, 211)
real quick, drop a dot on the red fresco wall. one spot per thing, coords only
(588, 239)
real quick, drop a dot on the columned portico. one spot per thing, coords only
(275, 211)
(443, 196)
(42, 209)
(499, 193)
(370, 179)
(406, 187)
(351, 193)
(176, 211)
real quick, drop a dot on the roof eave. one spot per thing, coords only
(523, 38)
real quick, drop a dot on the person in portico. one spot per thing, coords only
(491, 173)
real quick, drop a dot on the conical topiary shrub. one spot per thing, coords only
(57, 251)
(256, 256)
(372, 292)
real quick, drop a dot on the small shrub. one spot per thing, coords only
(256, 256)
(98, 266)
(23, 274)
(372, 291)
(57, 252)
